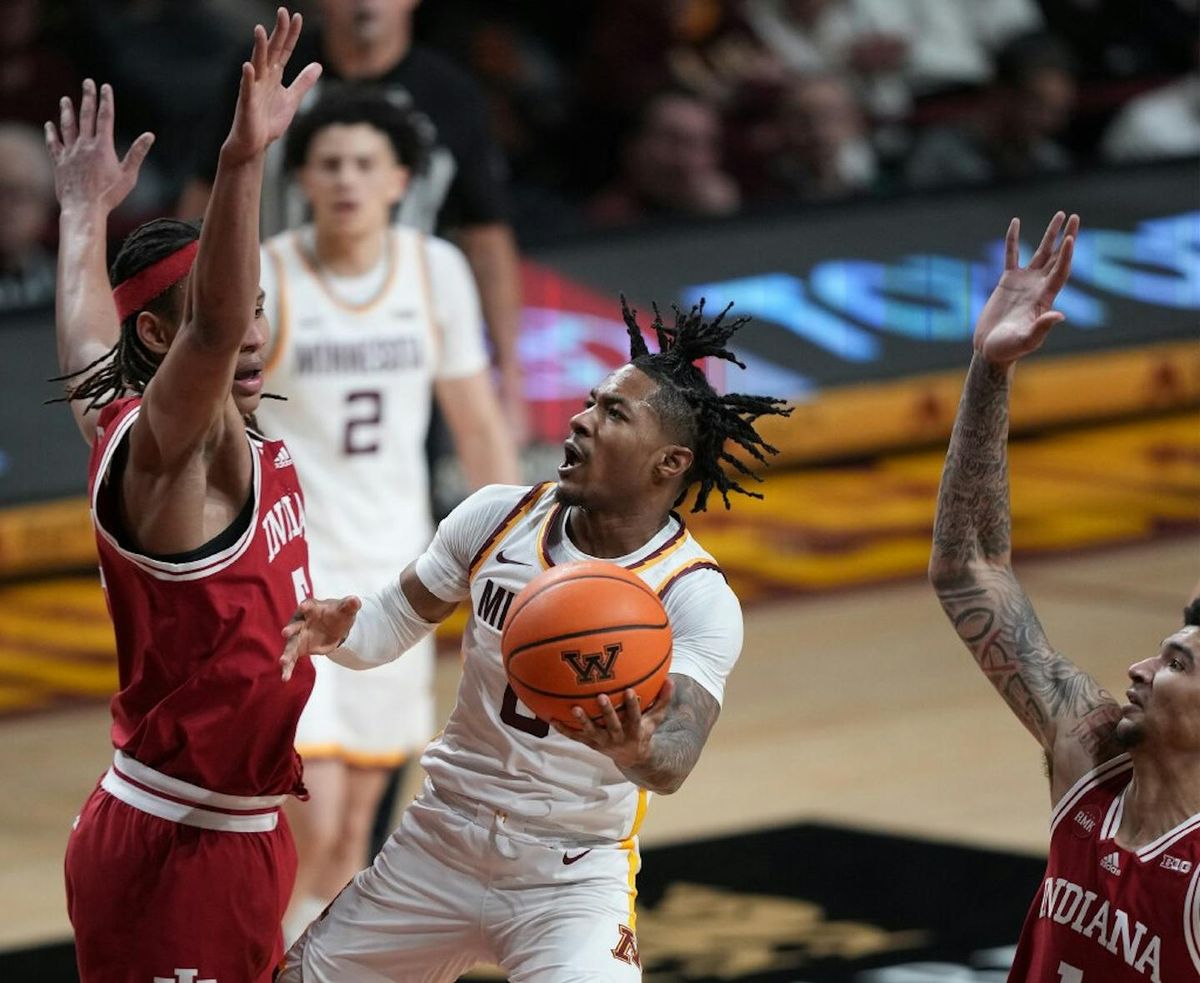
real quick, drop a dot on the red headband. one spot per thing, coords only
(141, 288)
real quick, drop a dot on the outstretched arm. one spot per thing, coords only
(190, 391)
(90, 182)
(971, 565)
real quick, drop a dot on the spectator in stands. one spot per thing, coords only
(34, 71)
(670, 164)
(823, 149)
(26, 210)
(1012, 136)
(894, 50)
(461, 195)
(1161, 124)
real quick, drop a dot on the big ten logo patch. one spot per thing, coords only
(592, 667)
(1176, 863)
(493, 604)
(626, 949)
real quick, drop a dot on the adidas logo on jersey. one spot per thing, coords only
(283, 459)
(1112, 863)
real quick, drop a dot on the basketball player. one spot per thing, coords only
(179, 866)
(370, 321)
(522, 848)
(1120, 900)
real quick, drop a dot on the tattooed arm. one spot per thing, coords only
(971, 565)
(658, 749)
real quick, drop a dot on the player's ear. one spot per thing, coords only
(154, 331)
(400, 178)
(674, 462)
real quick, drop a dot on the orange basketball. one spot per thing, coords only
(582, 629)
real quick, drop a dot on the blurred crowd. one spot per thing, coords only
(614, 112)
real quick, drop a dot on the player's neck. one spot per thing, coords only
(351, 58)
(605, 535)
(1162, 794)
(348, 255)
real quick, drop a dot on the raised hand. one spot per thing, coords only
(624, 735)
(317, 628)
(265, 106)
(1018, 314)
(86, 169)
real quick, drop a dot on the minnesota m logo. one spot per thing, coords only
(626, 948)
(593, 666)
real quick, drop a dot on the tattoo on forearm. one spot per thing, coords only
(973, 519)
(676, 745)
(994, 618)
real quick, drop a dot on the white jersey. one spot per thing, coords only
(357, 360)
(493, 750)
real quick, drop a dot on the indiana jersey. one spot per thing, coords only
(493, 750)
(198, 636)
(358, 371)
(1107, 914)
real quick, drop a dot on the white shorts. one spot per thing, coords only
(450, 890)
(375, 718)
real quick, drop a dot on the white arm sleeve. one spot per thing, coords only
(463, 349)
(444, 568)
(706, 630)
(387, 626)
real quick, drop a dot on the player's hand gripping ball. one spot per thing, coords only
(582, 629)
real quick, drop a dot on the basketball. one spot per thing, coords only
(582, 629)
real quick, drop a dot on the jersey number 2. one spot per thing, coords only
(364, 415)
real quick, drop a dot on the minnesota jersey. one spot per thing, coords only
(1108, 914)
(201, 699)
(493, 750)
(357, 372)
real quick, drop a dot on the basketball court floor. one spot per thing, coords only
(854, 707)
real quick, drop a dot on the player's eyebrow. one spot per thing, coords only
(609, 397)
(262, 296)
(1183, 650)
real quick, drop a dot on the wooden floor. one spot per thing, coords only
(859, 707)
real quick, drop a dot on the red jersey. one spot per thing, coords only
(198, 636)
(1105, 914)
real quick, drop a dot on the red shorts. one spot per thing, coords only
(154, 899)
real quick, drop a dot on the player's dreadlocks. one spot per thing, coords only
(702, 419)
(129, 365)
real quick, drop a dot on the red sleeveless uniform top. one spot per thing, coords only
(198, 639)
(1104, 914)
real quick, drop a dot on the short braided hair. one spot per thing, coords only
(698, 416)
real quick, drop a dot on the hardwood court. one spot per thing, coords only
(855, 705)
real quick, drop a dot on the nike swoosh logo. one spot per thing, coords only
(567, 858)
(501, 558)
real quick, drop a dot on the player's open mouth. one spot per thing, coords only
(248, 381)
(572, 458)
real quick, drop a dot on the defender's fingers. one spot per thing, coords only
(53, 143)
(1012, 248)
(1049, 237)
(104, 112)
(305, 81)
(258, 55)
(1062, 265)
(278, 36)
(137, 153)
(67, 123)
(290, 38)
(87, 110)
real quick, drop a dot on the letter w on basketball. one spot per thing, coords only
(580, 634)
